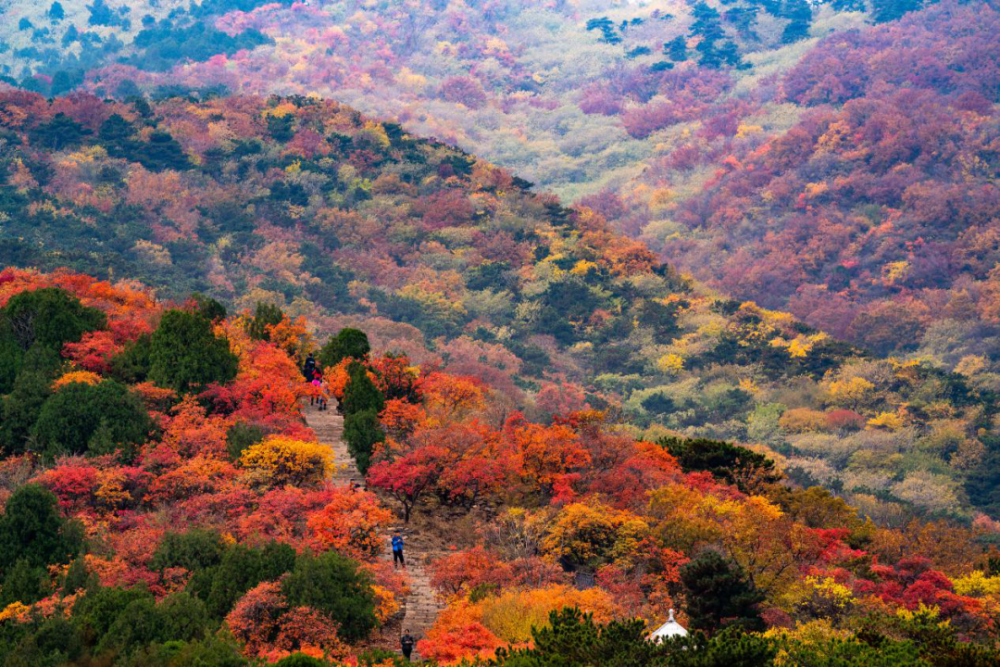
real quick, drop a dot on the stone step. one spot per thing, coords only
(422, 606)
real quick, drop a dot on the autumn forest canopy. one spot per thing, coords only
(611, 310)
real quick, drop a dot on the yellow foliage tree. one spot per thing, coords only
(287, 461)
(800, 346)
(512, 614)
(672, 364)
(754, 532)
(15, 611)
(803, 420)
(680, 519)
(890, 421)
(978, 584)
(82, 377)
(594, 533)
(853, 393)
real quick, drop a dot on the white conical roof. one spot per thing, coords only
(669, 629)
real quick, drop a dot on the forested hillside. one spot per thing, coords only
(309, 206)
(165, 505)
(159, 484)
(874, 215)
(835, 160)
(564, 94)
(619, 307)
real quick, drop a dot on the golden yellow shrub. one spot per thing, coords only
(287, 461)
(803, 420)
(512, 614)
(82, 377)
(890, 421)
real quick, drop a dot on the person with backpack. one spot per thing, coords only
(397, 551)
(406, 643)
(309, 369)
(319, 390)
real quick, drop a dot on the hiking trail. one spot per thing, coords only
(422, 605)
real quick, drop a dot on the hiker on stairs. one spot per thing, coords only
(397, 551)
(406, 644)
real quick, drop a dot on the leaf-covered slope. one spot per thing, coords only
(564, 94)
(307, 204)
(168, 528)
(831, 159)
(862, 197)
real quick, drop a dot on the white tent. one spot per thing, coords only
(669, 629)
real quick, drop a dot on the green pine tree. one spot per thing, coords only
(362, 431)
(676, 49)
(106, 416)
(361, 394)
(21, 408)
(719, 595)
(49, 316)
(336, 586)
(186, 355)
(58, 133)
(33, 529)
(348, 343)
(264, 315)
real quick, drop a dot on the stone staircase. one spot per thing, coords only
(422, 606)
(329, 428)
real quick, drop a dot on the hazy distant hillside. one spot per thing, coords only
(873, 213)
(308, 205)
(562, 93)
(804, 173)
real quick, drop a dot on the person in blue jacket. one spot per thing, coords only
(397, 551)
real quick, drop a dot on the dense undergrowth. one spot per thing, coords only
(180, 513)
(311, 207)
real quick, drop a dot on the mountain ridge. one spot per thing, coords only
(308, 205)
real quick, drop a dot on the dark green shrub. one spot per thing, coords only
(362, 430)
(739, 466)
(719, 595)
(186, 355)
(131, 365)
(49, 316)
(209, 652)
(361, 394)
(241, 569)
(242, 436)
(50, 643)
(265, 314)
(348, 343)
(335, 585)
(209, 308)
(33, 530)
(184, 617)
(96, 419)
(98, 610)
(193, 550)
(22, 406)
(77, 577)
(300, 660)
(573, 638)
(24, 583)
(58, 133)
(139, 623)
